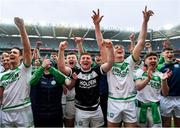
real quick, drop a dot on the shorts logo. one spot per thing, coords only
(111, 115)
(80, 123)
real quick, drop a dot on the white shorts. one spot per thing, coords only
(63, 101)
(149, 122)
(121, 111)
(70, 105)
(0, 118)
(70, 110)
(170, 106)
(18, 118)
(89, 118)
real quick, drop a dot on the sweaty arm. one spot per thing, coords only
(110, 56)
(61, 59)
(142, 36)
(27, 59)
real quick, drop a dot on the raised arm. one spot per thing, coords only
(61, 59)
(148, 46)
(132, 43)
(142, 36)
(96, 20)
(25, 41)
(110, 56)
(36, 52)
(79, 44)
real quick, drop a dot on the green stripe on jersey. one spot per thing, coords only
(121, 98)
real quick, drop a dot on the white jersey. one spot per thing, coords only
(1, 68)
(120, 80)
(151, 92)
(16, 88)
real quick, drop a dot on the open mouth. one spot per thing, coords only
(153, 64)
(71, 63)
(170, 58)
(86, 63)
(12, 57)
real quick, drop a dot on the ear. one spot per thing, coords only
(21, 57)
(163, 54)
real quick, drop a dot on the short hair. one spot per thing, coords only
(20, 51)
(5, 52)
(71, 53)
(168, 49)
(150, 54)
(85, 53)
(98, 54)
(54, 53)
(2, 56)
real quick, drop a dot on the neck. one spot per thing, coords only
(14, 65)
(46, 72)
(118, 59)
(168, 62)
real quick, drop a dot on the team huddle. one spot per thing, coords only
(75, 91)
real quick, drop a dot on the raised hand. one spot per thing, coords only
(177, 59)
(108, 43)
(74, 76)
(78, 39)
(132, 37)
(150, 72)
(38, 43)
(63, 45)
(167, 74)
(147, 14)
(166, 43)
(46, 63)
(96, 17)
(148, 45)
(19, 22)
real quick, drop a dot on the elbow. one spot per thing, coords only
(69, 87)
(165, 93)
(138, 88)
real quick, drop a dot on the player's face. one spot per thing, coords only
(98, 59)
(151, 61)
(37, 63)
(119, 52)
(54, 57)
(5, 62)
(168, 55)
(71, 60)
(14, 56)
(85, 62)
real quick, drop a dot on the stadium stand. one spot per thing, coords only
(52, 35)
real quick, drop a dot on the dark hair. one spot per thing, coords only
(54, 53)
(85, 53)
(98, 54)
(20, 51)
(71, 53)
(150, 54)
(168, 49)
(5, 52)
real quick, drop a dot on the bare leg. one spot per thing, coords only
(166, 121)
(176, 122)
